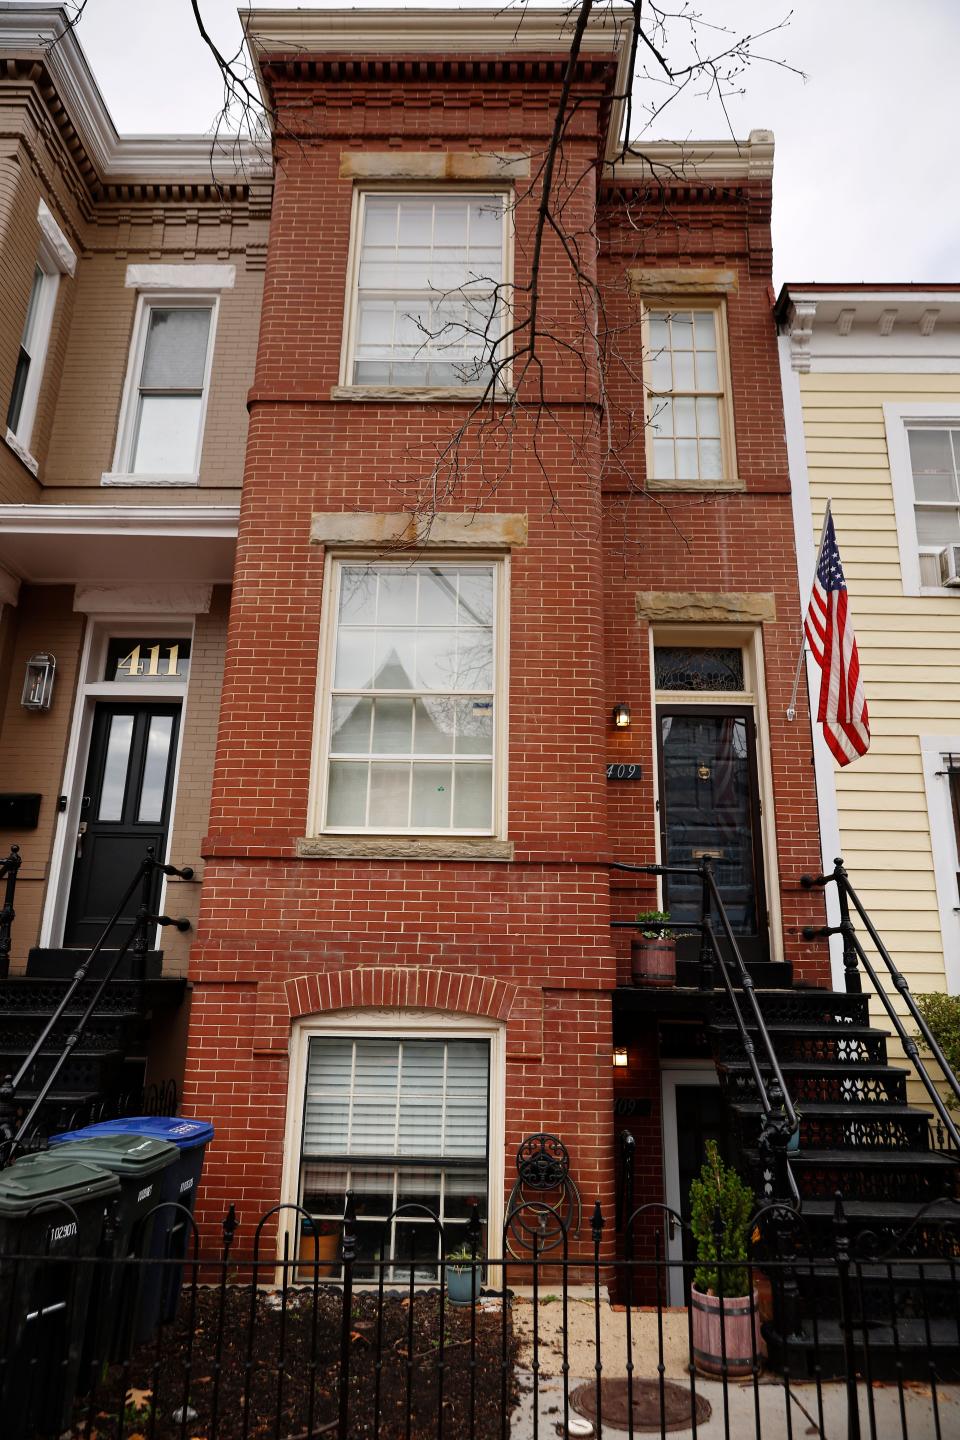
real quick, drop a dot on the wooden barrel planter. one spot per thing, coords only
(740, 1340)
(654, 962)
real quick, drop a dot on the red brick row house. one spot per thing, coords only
(404, 963)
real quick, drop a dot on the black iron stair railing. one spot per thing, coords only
(13, 1135)
(854, 955)
(780, 1119)
(9, 869)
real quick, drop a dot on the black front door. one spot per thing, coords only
(127, 794)
(710, 806)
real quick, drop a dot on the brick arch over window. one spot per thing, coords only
(402, 988)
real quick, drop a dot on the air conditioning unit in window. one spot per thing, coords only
(949, 562)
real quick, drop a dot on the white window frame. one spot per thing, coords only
(55, 257)
(943, 844)
(897, 419)
(147, 301)
(399, 1025)
(317, 803)
(715, 305)
(351, 299)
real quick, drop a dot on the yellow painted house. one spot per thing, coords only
(871, 381)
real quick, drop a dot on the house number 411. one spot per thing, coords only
(134, 665)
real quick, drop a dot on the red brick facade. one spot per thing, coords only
(527, 941)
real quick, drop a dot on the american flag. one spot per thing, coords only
(842, 710)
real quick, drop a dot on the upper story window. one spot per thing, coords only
(55, 257)
(935, 467)
(413, 698)
(688, 408)
(426, 302)
(168, 380)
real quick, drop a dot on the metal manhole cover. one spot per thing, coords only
(678, 1405)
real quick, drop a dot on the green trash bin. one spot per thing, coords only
(138, 1164)
(52, 1210)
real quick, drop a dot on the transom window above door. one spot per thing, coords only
(426, 290)
(698, 668)
(412, 712)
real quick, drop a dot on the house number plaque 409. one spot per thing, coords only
(624, 772)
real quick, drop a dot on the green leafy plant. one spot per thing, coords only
(461, 1259)
(651, 923)
(942, 1014)
(721, 1268)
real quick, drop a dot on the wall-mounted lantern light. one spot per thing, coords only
(38, 682)
(620, 1058)
(621, 715)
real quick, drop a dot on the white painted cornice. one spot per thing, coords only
(701, 160)
(437, 32)
(212, 521)
(872, 331)
(40, 32)
(800, 330)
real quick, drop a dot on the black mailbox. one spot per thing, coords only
(19, 812)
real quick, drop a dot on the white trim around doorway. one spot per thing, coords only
(692, 1072)
(91, 688)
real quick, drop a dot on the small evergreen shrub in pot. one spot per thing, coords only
(725, 1314)
(653, 954)
(942, 1014)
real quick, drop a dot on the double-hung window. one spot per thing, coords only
(161, 425)
(398, 1122)
(935, 467)
(426, 305)
(55, 258)
(688, 411)
(412, 716)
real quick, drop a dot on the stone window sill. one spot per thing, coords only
(413, 394)
(122, 477)
(21, 452)
(385, 847)
(733, 483)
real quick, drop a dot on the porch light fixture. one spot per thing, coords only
(620, 1058)
(621, 715)
(38, 682)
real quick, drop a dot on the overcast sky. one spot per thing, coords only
(865, 183)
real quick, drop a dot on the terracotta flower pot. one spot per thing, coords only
(654, 962)
(736, 1344)
(314, 1248)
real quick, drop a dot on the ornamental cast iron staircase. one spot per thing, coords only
(822, 1126)
(74, 1029)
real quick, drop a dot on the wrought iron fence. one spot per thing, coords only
(836, 1334)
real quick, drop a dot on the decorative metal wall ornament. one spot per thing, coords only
(545, 1202)
(695, 667)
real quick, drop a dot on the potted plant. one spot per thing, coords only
(463, 1276)
(653, 956)
(724, 1311)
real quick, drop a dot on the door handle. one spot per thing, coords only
(81, 831)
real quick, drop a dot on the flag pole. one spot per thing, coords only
(792, 707)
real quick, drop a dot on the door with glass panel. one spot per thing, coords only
(402, 1124)
(126, 803)
(710, 806)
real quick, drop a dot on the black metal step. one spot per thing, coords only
(806, 1006)
(829, 1082)
(842, 1126)
(852, 1045)
(26, 997)
(62, 964)
(914, 1350)
(771, 974)
(872, 1179)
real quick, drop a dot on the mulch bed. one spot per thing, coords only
(615, 1403)
(299, 1397)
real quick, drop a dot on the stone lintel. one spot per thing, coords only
(706, 607)
(650, 280)
(380, 847)
(397, 528)
(432, 165)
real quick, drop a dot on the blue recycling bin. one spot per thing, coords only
(172, 1229)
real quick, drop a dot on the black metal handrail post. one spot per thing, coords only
(13, 1135)
(846, 893)
(9, 869)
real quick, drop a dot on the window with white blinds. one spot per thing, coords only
(397, 1122)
